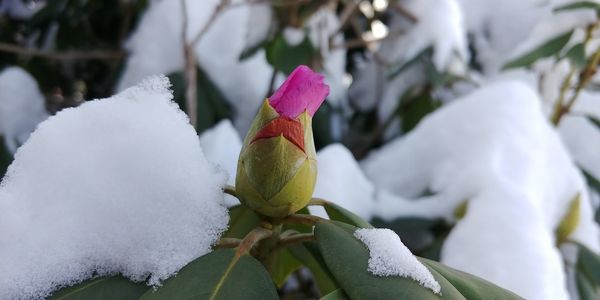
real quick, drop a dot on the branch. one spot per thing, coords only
(227, 243)
(64, 55)
(303, 219)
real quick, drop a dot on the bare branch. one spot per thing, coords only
(62, 55)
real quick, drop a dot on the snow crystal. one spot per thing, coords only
(22, 106)
(118, 185)
(496, 149)
(244, 83)
(222, 145)
(341, 181)
(389, 257)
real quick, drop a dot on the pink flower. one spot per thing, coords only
(303, 90)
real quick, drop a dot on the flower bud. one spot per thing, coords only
(277, 167)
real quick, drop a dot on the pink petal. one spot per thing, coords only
(302, 90)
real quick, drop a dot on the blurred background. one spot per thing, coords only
(470, 127)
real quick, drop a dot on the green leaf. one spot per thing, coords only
(594, 120)
(347, 258)
(470, 286)
(218, 275)
(115, 288)
(586, 289)
(338, 213)
(592, 181)
(589, 263)
(310, 256)
(335, 295)
(241, 221)
(578, 5)
(549, 48)
(577, 55)
(284, 265)
(415, 109)
(285, 58)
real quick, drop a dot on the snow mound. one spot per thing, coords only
(495, 149)
(22, 106)
(222, 145)
(341, 181)
(118, 185)
(389, 257)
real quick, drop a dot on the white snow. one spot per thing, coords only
(389, 257)
(22, 106)
(496, 149)
(581, 136)
(341, 181)
(439, 24)
(156, 47)
(118, 185)
(222, 145)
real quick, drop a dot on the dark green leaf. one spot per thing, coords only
(586, 289)
(241, 221)
(335, 295)
(470, 286)
(415, 109)
(347, 258)
(589, 263)
(579, 5)
(285, 57)
(284, 265)
(549, 48)
(218, 275)
(594, 121)
(309, 255)
(115, 288)
(592, 181)
(338, 213)
(577, 55)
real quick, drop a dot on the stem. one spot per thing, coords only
(266, 249)
(318, 202)
(295, 239)
(230, 190)
(303, 219)
(227, 243)
(252, 238)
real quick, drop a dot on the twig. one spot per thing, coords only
(62, 55)
(252, 238)
(294, 239)
(229, 189)
(303, 219)
(218, 10)
(227, 243)
(191, 74)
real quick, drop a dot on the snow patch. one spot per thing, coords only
(22, 106)
(495, 149)
(389, 257)
(118, 185)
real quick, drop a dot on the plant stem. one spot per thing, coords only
(252, 238)
(294, 239)
(318, 202)
(227, 243)
(303, 219)
(230, 190)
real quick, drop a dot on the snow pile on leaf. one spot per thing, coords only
(222, 145)
(244, 83)
(495, 149)
(389, 257)
(22, 106)
(118, 185)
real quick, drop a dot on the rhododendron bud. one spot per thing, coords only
(277, 168)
